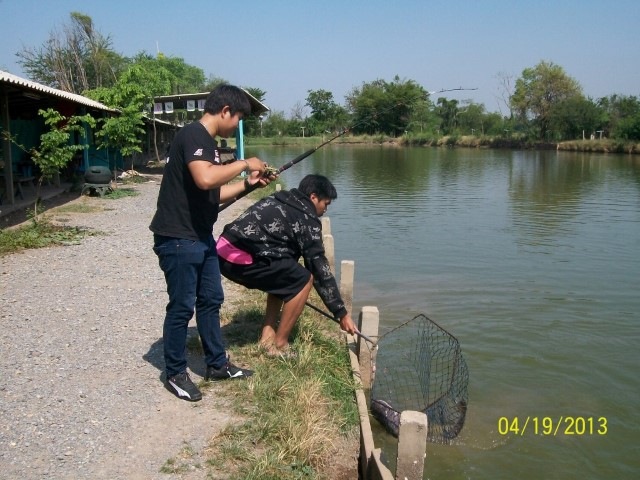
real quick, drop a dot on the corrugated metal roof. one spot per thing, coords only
(149, 119)
(257, 107)
(6, 77)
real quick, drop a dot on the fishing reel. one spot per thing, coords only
(270, 171)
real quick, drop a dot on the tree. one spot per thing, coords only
(623, 116)
(575, 117)
(628, 129)
(124, 132)
(132, 95)
(184, 78)
(447, 110)
(56, 148)
(75, 60)
(470, 119)
(384, 107)
(212, 83)
(506, 91)
(298, 111)
(326, 114)
(275, 125)
(540, 89)
(321, 104)
(251, 124)
(493, 124)
(423, 117)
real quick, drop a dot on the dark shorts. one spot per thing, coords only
(284, 278)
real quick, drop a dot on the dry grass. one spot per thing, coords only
(300, 414)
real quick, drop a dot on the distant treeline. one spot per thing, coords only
(546, 107)
(542, 106)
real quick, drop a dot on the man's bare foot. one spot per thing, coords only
(283, 352)
(268, 336)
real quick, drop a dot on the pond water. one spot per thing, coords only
(532, 261)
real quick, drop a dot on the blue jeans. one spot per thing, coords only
(192, 274)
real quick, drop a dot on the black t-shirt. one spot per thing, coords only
(184, 210)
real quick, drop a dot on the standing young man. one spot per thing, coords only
(194, 184)
(261, 249)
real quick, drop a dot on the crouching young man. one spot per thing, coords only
(261, 250)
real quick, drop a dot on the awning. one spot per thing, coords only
(23, 93)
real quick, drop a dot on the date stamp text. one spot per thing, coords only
(552, 426)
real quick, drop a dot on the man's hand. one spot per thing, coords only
(264, 178)
(255, 164)
(347, 325)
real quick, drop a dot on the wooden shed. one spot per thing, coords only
(20, 100)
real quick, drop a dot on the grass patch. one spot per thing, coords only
(117, 193)
(294, 409)
(77, 207)
(133, 179)
(40, 234)
(260, 193)
(600, 146)
(182, 463)
(155, 166)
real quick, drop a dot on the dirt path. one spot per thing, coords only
(81, 356)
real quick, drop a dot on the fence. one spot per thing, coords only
(412, 435)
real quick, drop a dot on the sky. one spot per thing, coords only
(287, 48)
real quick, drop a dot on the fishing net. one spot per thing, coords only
(420, 367)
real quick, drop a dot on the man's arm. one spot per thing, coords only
(324, 282)
(208, 176)
(231, 190)
(327, 287)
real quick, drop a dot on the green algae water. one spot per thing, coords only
(532, 260)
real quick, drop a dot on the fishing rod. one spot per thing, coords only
(284, 167)
(452, 90)
(326, 314)
(302, 156)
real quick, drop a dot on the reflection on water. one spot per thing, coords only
(531, 260)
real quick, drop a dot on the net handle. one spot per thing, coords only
(326, 314)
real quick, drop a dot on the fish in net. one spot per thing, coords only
(419, 366)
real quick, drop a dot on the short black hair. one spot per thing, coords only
(319, 185)
(230, 95)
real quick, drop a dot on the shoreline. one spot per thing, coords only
(456, 141)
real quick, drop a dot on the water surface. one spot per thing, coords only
(532, 260)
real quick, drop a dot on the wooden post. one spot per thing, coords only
(347, 268)
(329, 251)
(412, 445)
(368, 322)
(6, 147)
(327, 240)
(326, 225)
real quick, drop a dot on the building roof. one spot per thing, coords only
(36, 91)
(257, 107)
